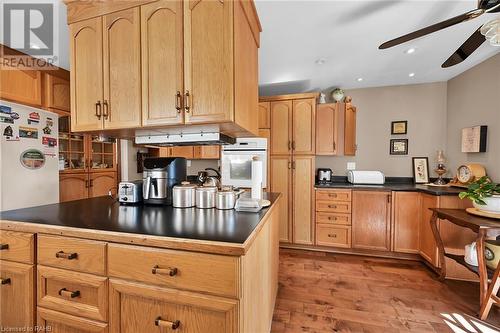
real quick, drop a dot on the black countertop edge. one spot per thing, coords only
(394, 186)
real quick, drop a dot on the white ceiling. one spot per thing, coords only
(347, 35)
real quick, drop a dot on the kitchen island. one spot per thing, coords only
(101, 267)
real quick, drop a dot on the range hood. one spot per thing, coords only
(184, 139)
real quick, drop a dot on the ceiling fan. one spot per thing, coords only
(490, 30)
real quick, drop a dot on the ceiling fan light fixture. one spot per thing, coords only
(491, 31)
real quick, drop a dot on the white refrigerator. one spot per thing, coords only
(29, 173)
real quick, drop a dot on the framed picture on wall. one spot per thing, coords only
(399, 127)
(420, 170)
(399, 147)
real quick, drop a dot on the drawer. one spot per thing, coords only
(210, 273)
(334, 218)
(335, 195)
(333, 206)
(75, 254)
(17, 246)
(64, 323)
(328, 235)
(79, 294)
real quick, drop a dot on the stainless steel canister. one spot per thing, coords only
(226, 199)
(205, 196)
(184, 195)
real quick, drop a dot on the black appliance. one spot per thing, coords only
(160, 175)
(324, 175)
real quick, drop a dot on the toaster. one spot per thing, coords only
(130, 192)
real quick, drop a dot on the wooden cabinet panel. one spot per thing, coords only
(371, 220)
(207, 273)
(101, 183)
(281, 127)
(407, 210)
(73, 187)
(57, 93)
(266, 133)
(140, 308)
(281, 183)
(350, 146)
(208, 61)
(206, 152)
(122, 69)
(302, 205)
(86, 74)
(334, 195)
(264, 115)
(333, 206)
(17, 295)
(21, 86)
(304, 126)
(327, 123)
(65, 323)
(427, 244)
(182, 151)
(74, 293)
(17, 246)
(88, 256)
(161, 52)
(334, 218)
(328, 235)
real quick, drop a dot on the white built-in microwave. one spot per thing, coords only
(236, 161)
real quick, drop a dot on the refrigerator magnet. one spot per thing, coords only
(46, 130)
(5, 109)
(32, 159)
(49, 142)
(28, 132)
(6, 119)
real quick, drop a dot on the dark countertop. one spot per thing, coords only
(106, 214)
(405, 187)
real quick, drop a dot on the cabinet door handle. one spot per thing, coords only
(332, 206)
(289, 145)
(86, 184)
(170, 271)
(332, 235)
(91, 183)
(332, 195)
(4, 246)
(334, 146)
(106, 113)
(289, 165)
(5, 281)
(293, 145)
(187, 105)
(178, 101)
(293, 165)
(98, 110)
(165, 323)
(332, 218)
(64, 255)
(68, 293)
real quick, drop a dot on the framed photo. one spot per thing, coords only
(399, 147)
(474, 139)
(420, 170)
(399, 127)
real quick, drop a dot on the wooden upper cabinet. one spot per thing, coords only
(208, 61)
(162, 71)
(326, 129)
(281, 127)
(21, 86)
(371, 220)
(407, 212)
(206, 152)
(182, 151)
(350, 146)
(57, 93)
(303, 204)
(122, 69)
(86, 75)
(304, 126)
(264, 115)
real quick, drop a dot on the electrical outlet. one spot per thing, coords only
(351, 165)
(188, 163)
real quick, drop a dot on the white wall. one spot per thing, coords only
(128, 159)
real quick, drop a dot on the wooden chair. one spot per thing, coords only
(491, 295)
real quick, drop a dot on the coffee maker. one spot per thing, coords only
(160, 175)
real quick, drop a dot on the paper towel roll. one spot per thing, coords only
(256, 178)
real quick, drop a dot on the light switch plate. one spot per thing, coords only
(351, 165)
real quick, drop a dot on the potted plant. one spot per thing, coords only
(484, 194)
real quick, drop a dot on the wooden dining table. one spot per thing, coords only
(481, 226)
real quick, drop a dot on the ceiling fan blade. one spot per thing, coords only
(467, 48)
(433, 28)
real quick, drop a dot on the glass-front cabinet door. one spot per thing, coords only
(103, 154)
(72, 148)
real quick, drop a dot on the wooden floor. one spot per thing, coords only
(321, 292)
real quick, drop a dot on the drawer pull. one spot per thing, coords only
(331, 218)
(332, 206)
(5, 281)
(171, 271)
(332, 195)
(4, 246)
(332, 235)
(165, 323)
(64, 255)
(68, 293)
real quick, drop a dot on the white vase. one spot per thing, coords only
(492, 205)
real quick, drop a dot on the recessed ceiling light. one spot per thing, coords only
(410, 50)
(359, 79)
(320, 61)
(411, 74)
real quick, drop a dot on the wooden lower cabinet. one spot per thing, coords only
(427, 245)
(17, 295)
(371, 220)
(58, 322)
(101, 183)
(139, 308)
(333, 235)
(406, 216)
(76, 186)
